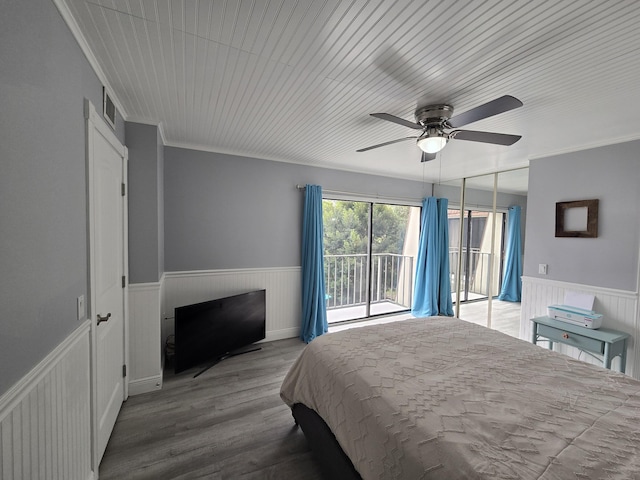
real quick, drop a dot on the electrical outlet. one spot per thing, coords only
(81, 312)
(542, 269)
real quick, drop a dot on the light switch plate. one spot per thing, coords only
(542, 269)
(81, 312)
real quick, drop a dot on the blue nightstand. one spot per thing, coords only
(603, 341)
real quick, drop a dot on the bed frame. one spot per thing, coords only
(333, 462)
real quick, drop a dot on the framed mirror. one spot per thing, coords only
(577, 219)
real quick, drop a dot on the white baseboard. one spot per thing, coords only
(145, 385)
(282, 334)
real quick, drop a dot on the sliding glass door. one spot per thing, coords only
(369, 255)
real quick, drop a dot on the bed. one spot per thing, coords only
(440, 398)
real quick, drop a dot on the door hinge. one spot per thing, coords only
(124, 371)
(123, 189)
(124, 281)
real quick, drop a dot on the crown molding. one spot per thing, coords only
(587, 146)
(69, 19)
(144, 121)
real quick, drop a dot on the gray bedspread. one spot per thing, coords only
(440, 398)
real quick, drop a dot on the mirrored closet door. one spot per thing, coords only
(479, 217)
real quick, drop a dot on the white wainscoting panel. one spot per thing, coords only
(45, 422)
(283, 296)
(619, 307)
(145, 342)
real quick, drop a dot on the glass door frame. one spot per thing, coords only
(370, 229)
(463, 208)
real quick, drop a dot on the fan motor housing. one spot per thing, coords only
(433, 114)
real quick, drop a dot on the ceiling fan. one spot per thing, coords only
(434, 120)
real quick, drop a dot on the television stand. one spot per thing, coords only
(233, 353)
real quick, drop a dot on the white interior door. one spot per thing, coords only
(107, 162)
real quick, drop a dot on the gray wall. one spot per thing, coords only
(44, 78)
(610, 174)
(224, 211)
(145, 190)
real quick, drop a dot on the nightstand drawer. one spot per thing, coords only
(570, 338)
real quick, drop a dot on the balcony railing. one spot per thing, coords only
(346, 279)
(477, 281)
(392, 277)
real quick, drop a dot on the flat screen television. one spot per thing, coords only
(212, 330)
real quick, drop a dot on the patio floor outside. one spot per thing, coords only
(505, 316)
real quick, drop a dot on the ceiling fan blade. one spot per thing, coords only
(485, 137)
(494, 107)
(427, 157)
(385, 143)
(400, 121)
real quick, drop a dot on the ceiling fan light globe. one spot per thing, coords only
(432, 144)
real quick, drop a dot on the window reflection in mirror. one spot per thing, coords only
(477, 244)
(505, 311)
(481, 233)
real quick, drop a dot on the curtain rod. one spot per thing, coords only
(501, 209)
(366, 195)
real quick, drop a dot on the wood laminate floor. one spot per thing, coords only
(229, 423)
(505, 316)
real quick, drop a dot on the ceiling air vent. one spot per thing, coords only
(108, 108)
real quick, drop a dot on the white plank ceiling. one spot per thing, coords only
(295, 80)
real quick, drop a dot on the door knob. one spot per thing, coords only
(103, 319)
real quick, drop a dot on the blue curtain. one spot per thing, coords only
(314, 311)
(511, 290)
(432, 288)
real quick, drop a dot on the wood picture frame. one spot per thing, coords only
(588, 228)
